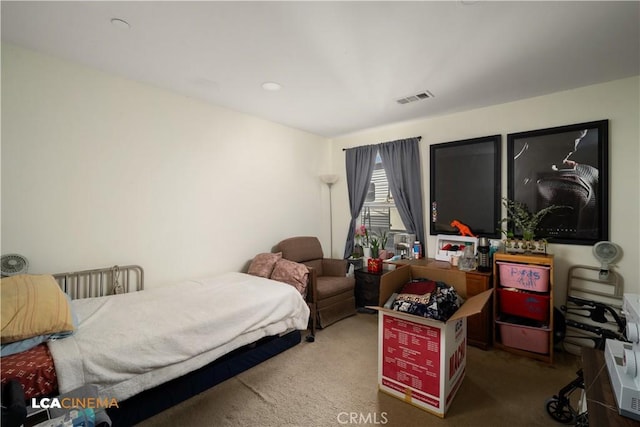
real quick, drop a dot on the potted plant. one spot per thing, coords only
(375, 246)
(519, 214)
(383, 239)
(383, 245)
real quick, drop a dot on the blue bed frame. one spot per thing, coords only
(130, 278)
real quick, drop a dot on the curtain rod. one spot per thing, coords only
(419, 138)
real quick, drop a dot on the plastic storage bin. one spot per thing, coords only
(524, 304)
(524, 337)
(524, 276)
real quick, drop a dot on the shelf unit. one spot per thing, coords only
(522, 329)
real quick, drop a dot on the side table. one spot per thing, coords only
(367, 290)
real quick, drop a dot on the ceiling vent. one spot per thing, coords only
(422, 95)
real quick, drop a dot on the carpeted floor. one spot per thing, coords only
(333, 382)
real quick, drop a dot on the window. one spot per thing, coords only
(379, 212)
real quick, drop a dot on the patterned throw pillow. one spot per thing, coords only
(262, 265)
(293, 273)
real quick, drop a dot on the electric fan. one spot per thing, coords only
(607, 253)
(12, 264)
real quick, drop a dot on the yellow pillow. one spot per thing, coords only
(33, 305)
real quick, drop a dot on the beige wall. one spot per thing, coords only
(99, 170)
(617, 101)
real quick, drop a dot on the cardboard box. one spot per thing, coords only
(423, 361)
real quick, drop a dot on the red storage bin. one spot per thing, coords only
(524, 276)
(524, 304)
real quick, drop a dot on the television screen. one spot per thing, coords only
(465, 186)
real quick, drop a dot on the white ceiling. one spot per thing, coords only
(342, 65)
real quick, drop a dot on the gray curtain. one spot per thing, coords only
(360, 162)
(401, 162)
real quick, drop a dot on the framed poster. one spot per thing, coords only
(564, 166)
(465, 185)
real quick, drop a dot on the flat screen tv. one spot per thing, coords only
(465, 186)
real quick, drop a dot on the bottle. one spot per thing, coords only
(484, 257)
(417, 250)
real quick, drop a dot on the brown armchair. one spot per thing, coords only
(330, 293)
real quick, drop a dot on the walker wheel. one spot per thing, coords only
(560, 411)
(582, 420)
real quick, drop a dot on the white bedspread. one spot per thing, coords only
(128, 343)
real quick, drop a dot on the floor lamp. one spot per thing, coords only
(330, 179)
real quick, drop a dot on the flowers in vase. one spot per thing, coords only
(362, 236)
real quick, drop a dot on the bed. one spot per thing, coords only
(151, 349)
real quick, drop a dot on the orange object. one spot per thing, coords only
(463, 229)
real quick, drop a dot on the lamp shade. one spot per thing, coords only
(329, 178)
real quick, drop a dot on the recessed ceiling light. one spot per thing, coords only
(120, 23)
(271, 86)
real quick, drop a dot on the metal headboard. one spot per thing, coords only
(101, 281)
(584, 283)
